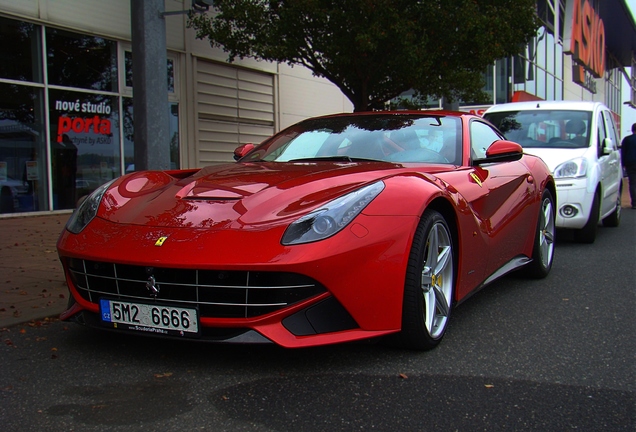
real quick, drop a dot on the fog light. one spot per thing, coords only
(568, 211)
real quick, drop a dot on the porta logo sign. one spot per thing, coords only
(587, 43)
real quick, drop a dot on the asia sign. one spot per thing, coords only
(586, 44)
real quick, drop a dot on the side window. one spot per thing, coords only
(611, 128)
(601, 134)
(481, 136)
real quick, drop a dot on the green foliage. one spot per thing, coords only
(374, 50)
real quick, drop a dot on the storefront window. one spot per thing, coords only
(23, 174)
(129, 71)
(550, 54)
(20, 54)
(540, 49)
(550, 87)
(530, 82)
(519, 71)
(129, 144)
(559, 61)
(540, 83)
(558, 90)
(79, 147)
(75, 60)
(85, 151)
(502, 71)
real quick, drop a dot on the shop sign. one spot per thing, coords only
(586, 44)
(83, 124)
(476, 110)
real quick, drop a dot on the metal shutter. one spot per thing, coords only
(234, 106)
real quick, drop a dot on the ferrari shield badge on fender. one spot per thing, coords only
(473, 175)
(160, 241)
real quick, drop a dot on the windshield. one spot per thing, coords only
(544, 128)
(390, 138)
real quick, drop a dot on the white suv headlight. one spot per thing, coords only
(332, 217)
(574, 168)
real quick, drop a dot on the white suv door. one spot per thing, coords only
(609, 161)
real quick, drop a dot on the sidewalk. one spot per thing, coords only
(32, 284)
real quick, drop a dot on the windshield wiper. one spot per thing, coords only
(333, 158)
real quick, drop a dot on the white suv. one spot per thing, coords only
(579, 143)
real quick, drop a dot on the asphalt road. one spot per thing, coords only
(550, 355)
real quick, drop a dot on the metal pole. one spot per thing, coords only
(150, 85)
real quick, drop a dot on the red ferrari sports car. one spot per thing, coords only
(338, 228)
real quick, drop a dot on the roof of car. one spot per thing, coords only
(430, 112)
(562, 105)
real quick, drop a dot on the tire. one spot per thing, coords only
(587, 234)
(543, 249)
(429, 286)
(614, 219)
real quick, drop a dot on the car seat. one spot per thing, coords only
(577, 128)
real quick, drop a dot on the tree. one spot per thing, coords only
(374, 50)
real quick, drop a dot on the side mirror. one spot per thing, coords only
(241, 151)
(608, 146)
(501, 151)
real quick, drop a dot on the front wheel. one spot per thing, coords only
(429, 286)
(614, 219)
(587, 234)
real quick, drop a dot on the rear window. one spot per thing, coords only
(544, 128)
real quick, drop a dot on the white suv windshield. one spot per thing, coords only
(544, 128)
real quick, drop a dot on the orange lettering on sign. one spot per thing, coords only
(588, 38)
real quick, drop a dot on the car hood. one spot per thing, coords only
(236, 195)
(553, 157)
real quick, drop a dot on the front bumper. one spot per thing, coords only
(358, 275)
(574, 203)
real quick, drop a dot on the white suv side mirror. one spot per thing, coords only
(608, 146)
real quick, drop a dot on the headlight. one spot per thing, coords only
(332, 217)
(87, 209)
(574, 168)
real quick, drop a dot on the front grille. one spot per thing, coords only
(218, 294)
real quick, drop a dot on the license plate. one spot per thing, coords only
(150, 318)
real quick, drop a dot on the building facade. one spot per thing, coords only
(66, 112)
(581, 52)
